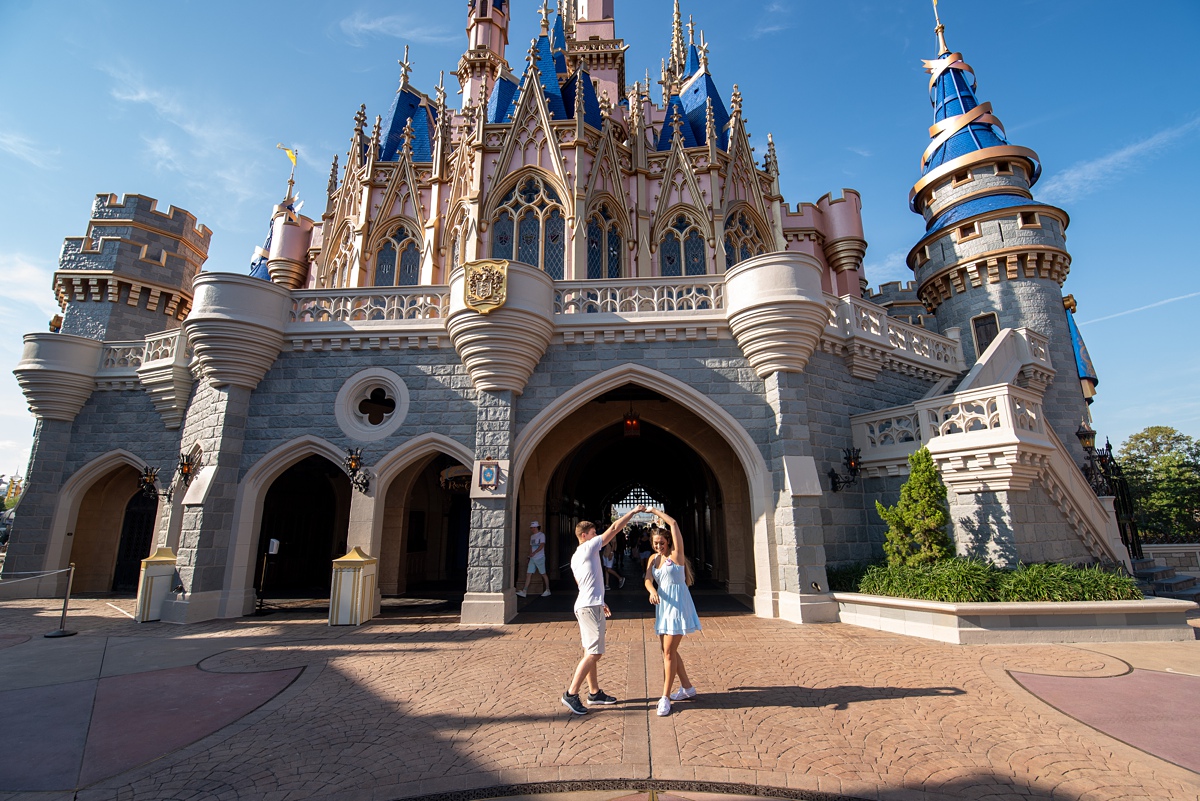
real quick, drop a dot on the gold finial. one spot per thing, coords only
(441, 91)
(545, 12)
(941, 31)
(703, 51)
(691, 30)
(405, 68)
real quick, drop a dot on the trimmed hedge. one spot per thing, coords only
(971, 581)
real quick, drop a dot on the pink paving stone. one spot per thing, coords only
(1156, 712)
(144, 716)
(8, 640)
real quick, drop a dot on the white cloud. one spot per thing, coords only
(1089, 176)
(893, 267)
(213, 155)
(360, 27)
(27, 150)
(1141, 308)
(861, 151)
(774, 19)
(26, 290)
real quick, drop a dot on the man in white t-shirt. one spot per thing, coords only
(537, 559)
(590, 610)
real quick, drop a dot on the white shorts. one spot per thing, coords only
(591, 628)
(537, 564)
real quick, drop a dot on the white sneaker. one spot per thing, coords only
(546, 594)
(520, 593)
(664, 706)
(684, 694)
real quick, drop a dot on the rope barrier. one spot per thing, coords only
(38, 572)
(6, 582)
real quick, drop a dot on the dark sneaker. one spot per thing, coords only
(600, 698)
(620, 582)
(573, 703)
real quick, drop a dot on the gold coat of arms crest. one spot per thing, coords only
(486, 285)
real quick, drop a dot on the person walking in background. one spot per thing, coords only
(537, 560)
(675, 613)
(643, 546)
(607, 558)
(591, 611)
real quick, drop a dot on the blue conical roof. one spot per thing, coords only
(668, 131)
(591, 105)
(558, 45)
(694, 97)
(548, 76)
(952, 95)
(407, 105)
(502, 102)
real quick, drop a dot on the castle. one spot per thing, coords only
(560, 299)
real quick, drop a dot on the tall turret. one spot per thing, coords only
(992, 256)
(487, 39)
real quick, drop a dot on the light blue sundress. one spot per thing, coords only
(675, 613)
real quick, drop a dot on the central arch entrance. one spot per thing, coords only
(593, 459)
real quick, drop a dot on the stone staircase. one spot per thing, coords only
(1155, 579)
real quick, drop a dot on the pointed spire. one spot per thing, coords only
(703, 51)
(735, 103)
(941, 32)
(771, 162)
(678, 50)
(407, 135)
(710, 123)
(691, 31)
(545, 12)
(375, 129)
(676, 123)
(405, 70)
(441, 94)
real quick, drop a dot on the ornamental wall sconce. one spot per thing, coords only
(354, 468)
(148, 480)
(850, 458)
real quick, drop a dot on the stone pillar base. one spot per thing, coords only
(192, 608)
(154, 584)
(808, 607)
(765, 604)
(489, 608)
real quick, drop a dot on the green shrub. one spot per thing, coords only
(916, 532)
(847, 577)
(970, 581)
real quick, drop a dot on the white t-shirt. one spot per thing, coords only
(585, 564)
(535, 539)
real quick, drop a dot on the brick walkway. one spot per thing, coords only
(416, 704)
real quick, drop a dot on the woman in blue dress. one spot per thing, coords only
(675, 614)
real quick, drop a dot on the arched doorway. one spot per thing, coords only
(589, 463)
(426, 529)
(137, 537)
(113, 532)
(307, 512)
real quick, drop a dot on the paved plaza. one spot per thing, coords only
(416, 705)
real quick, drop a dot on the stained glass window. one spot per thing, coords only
(405, 243)
(742, 239)
(536, 208)
(668, 255)
(502, 237)
(555, 245)
(693, 253)
(614, 252)
(595, 250)
(530, 235)
(682, 250)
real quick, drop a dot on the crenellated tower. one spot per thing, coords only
(992, 257)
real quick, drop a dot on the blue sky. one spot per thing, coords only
(185, 101)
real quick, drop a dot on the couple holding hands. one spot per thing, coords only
(668, 575)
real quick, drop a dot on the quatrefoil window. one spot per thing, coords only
(377, 406)
(372, 405)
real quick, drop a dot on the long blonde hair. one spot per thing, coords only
(665, 533)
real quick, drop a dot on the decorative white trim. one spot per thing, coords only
(357, 389)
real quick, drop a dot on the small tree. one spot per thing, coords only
(917, 524)
(1163, 469)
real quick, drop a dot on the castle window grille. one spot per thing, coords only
(595, 252)
(604, 251)
(742, 240)
(454, 253)
(615, 252)
(668, 256)
(693, 253)
(405, 243)
(555, 245)
(530, 234)
(502, 237)
(682, 250)
(540, 227)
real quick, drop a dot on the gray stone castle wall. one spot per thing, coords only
(1011, 528)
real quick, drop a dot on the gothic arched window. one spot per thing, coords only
(682, 250)
(529, 226)
(604, 246)
(401, 245)
(742, 240)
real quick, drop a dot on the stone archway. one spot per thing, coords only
(97, 536)
(584, 457)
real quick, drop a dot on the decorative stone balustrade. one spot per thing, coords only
(870, 340)
(166, 376)
(57, 374)
(638, 297)
(370, 304)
